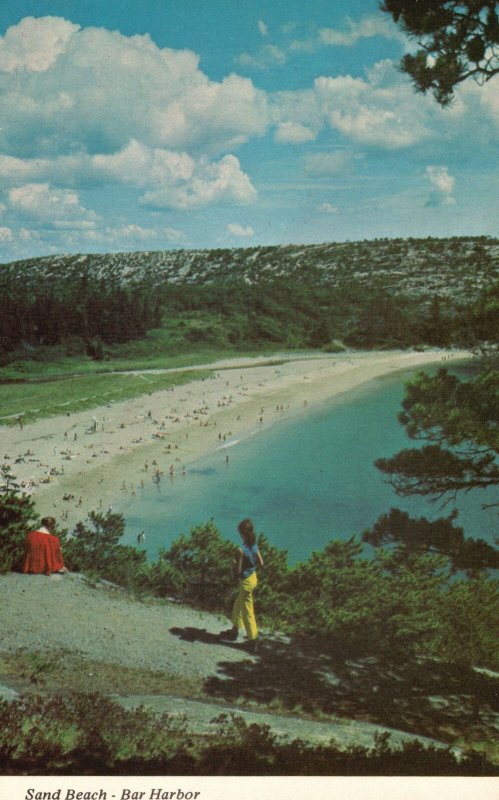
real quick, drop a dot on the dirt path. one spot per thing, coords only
(47, 614)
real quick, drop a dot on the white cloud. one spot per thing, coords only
(202, 184)
(132, 231)
(309, 45)
(27, 235)
(173, 235)
(301, 108)
(34, 45)
(5, 234)
(239, 230)
(293, 133)
(61, 100)
(63, 169)
(376, 126)
(141, 166)
(122, 237)
(269, 55)
(168, 178)
(328, 208)
(365, 28)
(443, 185)
(55, 208)
(380, 111)
(93, 90)
(489, 100)
(68, 117)
(441, 180)
(352, 32)
(328, 164)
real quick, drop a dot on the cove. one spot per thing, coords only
(303, 481)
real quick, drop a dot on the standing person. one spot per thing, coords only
(43, 550)
(246, 562)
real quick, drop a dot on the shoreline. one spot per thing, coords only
(75, 463)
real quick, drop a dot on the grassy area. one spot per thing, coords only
(34, 389)
(62, 672)
(33, 400)
(30, 370)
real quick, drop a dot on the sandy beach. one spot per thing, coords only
(79, 462)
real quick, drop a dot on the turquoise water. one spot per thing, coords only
(303, 481)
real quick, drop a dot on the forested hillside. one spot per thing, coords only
(382, 293)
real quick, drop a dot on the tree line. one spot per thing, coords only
(87, 311)
(90, 316)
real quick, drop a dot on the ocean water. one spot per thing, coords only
(303, 481)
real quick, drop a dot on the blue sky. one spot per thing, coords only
(132, 125)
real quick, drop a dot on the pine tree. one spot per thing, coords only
(458, 40)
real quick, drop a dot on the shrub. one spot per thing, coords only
(83, 732)
(469, 628)
(95, 549)
(197, 567)
(89, 734)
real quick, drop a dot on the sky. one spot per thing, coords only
(165, 124)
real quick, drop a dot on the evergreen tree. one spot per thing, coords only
(459, 39)
(440, 536)
(95, 549)
(459, 420)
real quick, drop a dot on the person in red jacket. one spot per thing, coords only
(43, 550)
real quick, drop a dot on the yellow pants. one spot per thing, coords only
(243, 612)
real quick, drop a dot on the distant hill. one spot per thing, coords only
(381, 293)
(457, 267)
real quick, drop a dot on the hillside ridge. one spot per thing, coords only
(458, 266)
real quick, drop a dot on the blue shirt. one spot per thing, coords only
(250, 560)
